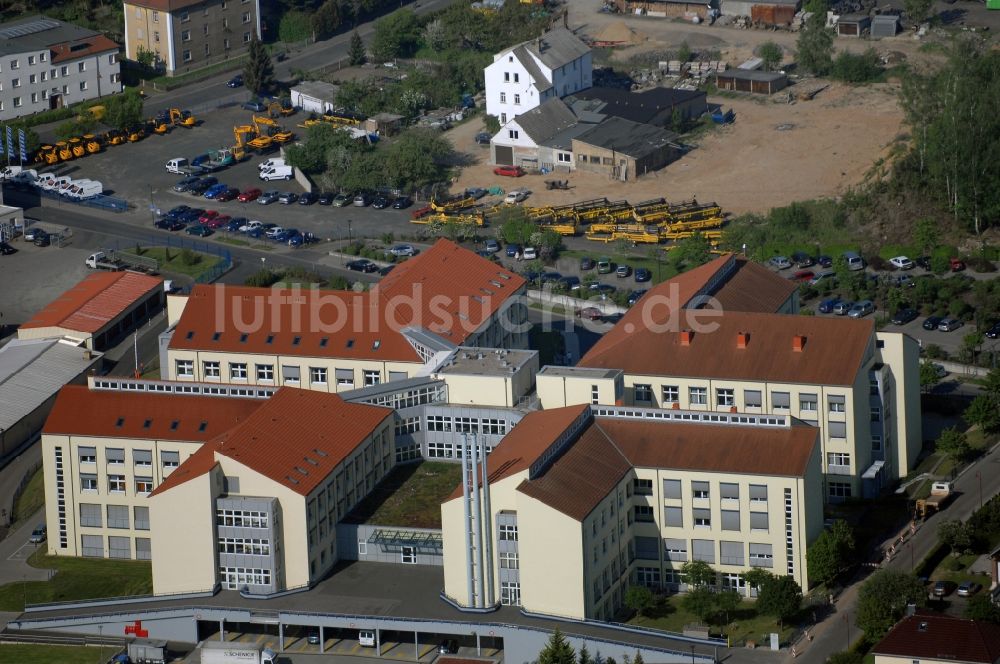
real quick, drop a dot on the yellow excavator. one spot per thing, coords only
(266, 127)
(182, 118)
(249, 137)
(65, 152)
(243, 134)
(282, 108)
(92, 143)
(76, 145)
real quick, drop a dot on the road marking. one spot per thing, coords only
(21, 553)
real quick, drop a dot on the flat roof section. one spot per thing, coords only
(579, 372)
(486, 362)
(410, 496)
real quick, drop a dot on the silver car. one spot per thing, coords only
(841, 308)
(401, 250)
(861, 309)
(780, 262)
(268, 197)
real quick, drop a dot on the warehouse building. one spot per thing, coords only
(744, 80)
(656, 106)
(315, 96)
(99, 311)
(630, 494)
(768, 12)
(665, 8)
(624, 150)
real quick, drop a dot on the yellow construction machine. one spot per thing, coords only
(65, 152)
(77, 146)
(49, 154)
(182, 118)
(92, 143)
(266, 127)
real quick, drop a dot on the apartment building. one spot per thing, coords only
(859, 387)
(630, 495)
(225, 487)
(186, 35)
(46, 64)
(522, 77)
(335, 341)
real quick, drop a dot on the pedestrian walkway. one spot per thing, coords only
(15, 551)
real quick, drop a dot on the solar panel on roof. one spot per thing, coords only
(30, 28)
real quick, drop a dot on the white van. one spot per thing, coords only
(366, 638)
(277, 173)
(55, 184)
(854, 261)
(268, 164)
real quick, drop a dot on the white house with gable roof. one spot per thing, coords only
(524, 76)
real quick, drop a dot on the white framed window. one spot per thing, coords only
(34, 97)
(186, 56)
(670, 393)
(143, 485)
(185, 17)
(317, 375)
(699, 490)
(185, 368)
(185, 35)
(237, 371)
(212, 369)
(265, 373)
(83, 86)
(246, 17)
(698, 396)
(506, 76)
(510, 593)
(372, 377)
(64, 70)
(81, 67)
(408, 555)
(42, 57)
(807, 402)
(15, 82)
(644, 393)
(836, 404)
(513, 133)
(517, 100)
(246, 35)
(32, 79)
(116, 483)
(503, 118)
(752, 398)
(725, 397)
(156, 17)
(517, 77)
(14, 64)
(362, 548)
(88, 483)
(564, 157)
(507, 532)
(503, 97)
(31, 60)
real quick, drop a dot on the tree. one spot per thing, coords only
(728, 601)
(294, 27)
(584, 656)
(692, 251)
(957, 535)
(700, 601)
(757, 577)
(983, 412)
(145, 57)
(825, 558)
(928, 376)
(417, 157)
(639, 598)
(356, 54)
(557, 650)
(396, 36)
(953, 443)
(492, 124)
(771, 54)
(918, 10)
(326, 19)
(516, 229)
(638, 658)
(436, 35)
(981, 607)
(121, 111)
(780, 596)
(258, 73)
(684, 52)
(845, 657)
(310, 154)
(815, 42)
(926, 234)
(883, 598)
(698, 573)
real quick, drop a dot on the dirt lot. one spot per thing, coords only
(822, 147)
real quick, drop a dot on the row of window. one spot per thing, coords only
(701, 490)
(18, 102)
(486, 425)
(115, 456)
(255, 547)
(186, 34)
(726, 397)
(238, 371)
(116, 484)
(517, 100)
(234, 578)
(241, 518)
(91, 516)
(185, 16)
(728, 553)
(440, 450)
(92, 546)
(673, 517)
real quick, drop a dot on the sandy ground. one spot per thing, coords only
(774, 153)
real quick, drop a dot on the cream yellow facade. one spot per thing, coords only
(92, 497)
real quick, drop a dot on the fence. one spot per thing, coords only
(100, 201)
(181, 243)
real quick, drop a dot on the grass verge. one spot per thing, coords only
(167, 83)
(745, 623)
(410, 496)
(76, 579)
(182, 261)
(32, 498)
(20, 653)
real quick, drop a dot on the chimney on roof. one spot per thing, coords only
(798, 343)
(911, 609)
(742, 339)
(922, 627)
(686, 336)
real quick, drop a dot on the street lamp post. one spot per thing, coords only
(979, 476)
(692, 654)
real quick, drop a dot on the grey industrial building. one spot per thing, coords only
(744, 80)
(623, 149)
(655, 106)
(49, 64)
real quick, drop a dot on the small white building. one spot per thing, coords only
(521, 142)
(524, 76)
(314, 96)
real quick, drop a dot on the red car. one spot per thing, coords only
(509, 171)
(249, 195)
(208, 216)
(228, 195)
(956, 264)
(220, 221)
(803, 276)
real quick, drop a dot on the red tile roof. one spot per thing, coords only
(609, 447)
(80, 411)
(296, 438)
(309, 322)
(831, 353)
(83, 48)
(456, 291)
(95, 301)
(930, 636)
(753, 287)
(526, 441)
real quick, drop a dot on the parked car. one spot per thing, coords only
(201, 230)
(623, 271)
(603, 289)
(251, 194)
(956, 264)
(515, 196)
(823, 275)
(902, 263)
(994, 331)
(968, 588)
(642, 275)
(861, 309)
(570, 283)
(587, 263)
(591, 313)
(362, 265)
(802, 259)
(904, 316)
(172, 213)
(779, 262)
(923, 262)
(313, 637)
(482, 138)
(38, 534)
(513, 250)
(803, 276)
(191, 216)
(942, 588)
(842, 307)
(235, 81)
(203, 185)
(401, 250)
(307, 198)
(950, 324)
(166, 224)
(207, 216)
(362, 199)
(530, 253)
(288, 197)
(491, 246)
(509, 171)
(604, 265)
(475, 192)
(213, 192)
(828, 305)
(341, 199)
(825, 261)
(273, 232)
(219, 222)
(250, 225)
(255, 105)
(325, 198)
(635, 296)
(229, 194)
(185, 183)
(939, 370)
(44, 239)
(903, 281)
(401, 203)
(932, 322)
(268, 197)
(380, 202)
(235, 223)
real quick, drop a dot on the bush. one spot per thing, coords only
(878, 263)
(189, 257)
(853, 68)
(981, 264)
(294, 27)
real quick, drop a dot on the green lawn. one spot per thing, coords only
(78, 578)
(32, 499)
(744, 624)
(19, 653)
(410, 496)
(172, 260)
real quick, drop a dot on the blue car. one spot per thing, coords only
(234, 224)
(191, 216)
(215, 190)
(513, 250)
(827, 306)
(255, 232)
